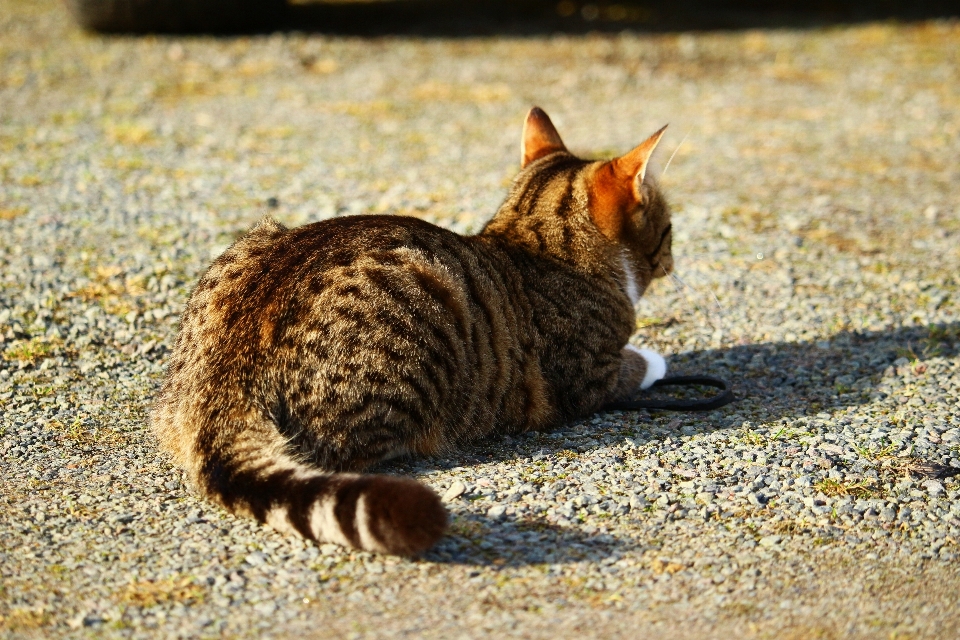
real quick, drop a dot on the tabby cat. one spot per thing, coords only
(306, 355)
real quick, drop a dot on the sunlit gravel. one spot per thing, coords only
(817, 237)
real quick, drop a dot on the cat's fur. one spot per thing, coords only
(306, 355)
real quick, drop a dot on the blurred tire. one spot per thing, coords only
(145, 16)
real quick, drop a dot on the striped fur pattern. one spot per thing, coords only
(306, 355)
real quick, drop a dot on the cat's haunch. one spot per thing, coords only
(306, 355)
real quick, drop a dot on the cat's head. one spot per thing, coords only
(620, 199)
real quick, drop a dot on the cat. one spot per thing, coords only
(306, 355)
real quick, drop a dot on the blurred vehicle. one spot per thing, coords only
(142, 16)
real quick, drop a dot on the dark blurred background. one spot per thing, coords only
(452, 17)
(489, 17)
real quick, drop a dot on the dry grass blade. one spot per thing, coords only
(836, 488)
(151, 593)
(31, 350)
(24, 620)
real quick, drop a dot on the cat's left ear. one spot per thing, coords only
(540, 137)
(616, 187)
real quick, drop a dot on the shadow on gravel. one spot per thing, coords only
(510, 542)
(786, 380)
(773, 381)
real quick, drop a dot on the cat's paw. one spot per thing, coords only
(656, 366)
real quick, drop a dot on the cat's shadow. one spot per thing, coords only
(509, 541)
(772, 381)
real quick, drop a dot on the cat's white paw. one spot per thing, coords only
(656, 365)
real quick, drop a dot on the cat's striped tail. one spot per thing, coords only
(254, 475)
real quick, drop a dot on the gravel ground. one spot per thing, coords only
(817, 230)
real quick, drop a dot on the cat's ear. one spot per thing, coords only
(635, 163)
(616, 187)
(540, 137)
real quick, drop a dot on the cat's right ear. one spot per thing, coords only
(616, 189)
(540, 137)
(635, 163)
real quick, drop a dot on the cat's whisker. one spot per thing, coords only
(716, 300)
(669, 160)
(677, 280)
(696, 305)
(688, 256)
(674, 281)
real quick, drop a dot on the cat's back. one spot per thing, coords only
(271, 259)
(277, 275)
(354, 287)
